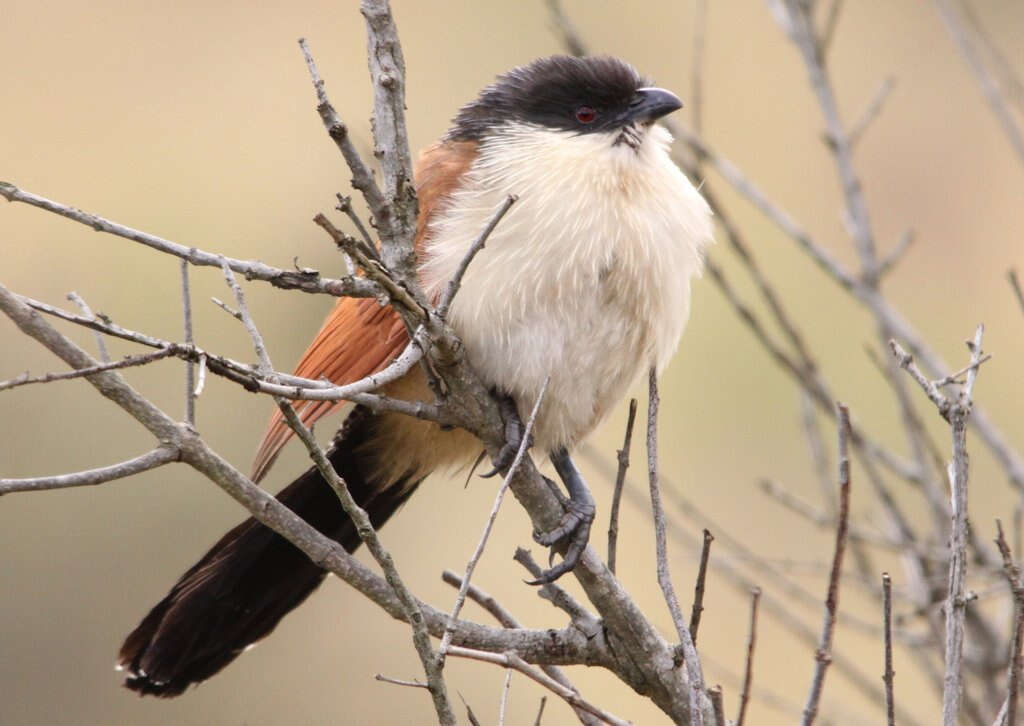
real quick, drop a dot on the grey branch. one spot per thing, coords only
(478, 244)
(698, 590)
(823, 656)
(190, 366)
(693, 668)
(460, 598)
(305, 280)
(748, 670)
(157, 457)
(513, 661)
(888, 675)
(413, 613)
(129, 361)
(620, 480)
(101, 344)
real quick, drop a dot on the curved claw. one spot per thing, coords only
(574, 526)
(514, 431)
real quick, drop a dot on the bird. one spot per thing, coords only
(582, 286)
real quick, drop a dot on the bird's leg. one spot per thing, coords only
(574, 528)
(514, 431)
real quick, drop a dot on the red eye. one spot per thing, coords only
(586, 115)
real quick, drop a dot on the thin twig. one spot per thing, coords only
(889, 262)
(478, 552)
(513, 661)
(620, 480)
(344, 206)
(157, 457)
(1013, 577)
(503, 616)
(266, 368)
(717, 705)
(887, 677)
(748, 670)
(367, 533)
(399, 681)
(828, 30)
(571, 37)
(540, 711)
(478, 244)
(872, 111)
(306, 280)
(989, 87)
(823, 656)
(101, 344)
(129, 361)
(696, 100)
(201, 382)
(503, 704)
(1017, 291)
(190, 367)
(697, 687)
(698, 590)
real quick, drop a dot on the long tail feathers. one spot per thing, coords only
(250, 579)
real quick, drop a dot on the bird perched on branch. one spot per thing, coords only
(584, 284)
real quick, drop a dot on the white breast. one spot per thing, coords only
(586, 279)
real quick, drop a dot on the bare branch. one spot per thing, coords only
(157, 457)
(620, 480)
(748, 670)
(889, 262)
(478, 244)
(696, 100)
(871, 112)
(717, 705)
(128, 361)
(504, 697)
(513, 661)
(552, 591)
(540, 711)
(503, 616)
(101, 344)
(698, 594)
(697, 687)
(190, 367)
(988, 85)
(571, 37)
(460, 599)
(305, 279)
(1015, 284)
(400, 682)
(344, 206)
(887, 677)
(828, 30)
(266, 368)
(823, 656)
(1013, 577)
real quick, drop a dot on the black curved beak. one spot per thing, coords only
(650, 104)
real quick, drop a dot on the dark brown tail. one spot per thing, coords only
(239, 591)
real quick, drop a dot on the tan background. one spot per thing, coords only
(196, 122)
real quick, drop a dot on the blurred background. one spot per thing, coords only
(197, 122)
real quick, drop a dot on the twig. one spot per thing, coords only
(698, 593)
(887, 677)
(266, 368)
(503, 704)
(190, 367)
(367, 533)
(129, 361)
(620, 480)
(399, 681)
(473, 721)
(828, 30)
(988, 85)
(874, 108)
(717, 705)
(571, 37)
(503, 616)
(1013, 577)
(306, 280)
(157, 457)
(696, 100)
(748, 670)
(344, 205)
(956, 602)
(478, 244)
(819, 456)
(513, 661)
(460, 599)
(362, 177)
(823, 656)
(693, 669)
(101, 344)
(887, 263)
(540, 711)
(552, 591)
(906, 362)
(1015, 284)
(226, 308)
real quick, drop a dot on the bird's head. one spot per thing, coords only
(594, 95)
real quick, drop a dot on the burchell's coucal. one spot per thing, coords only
(585, 281)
